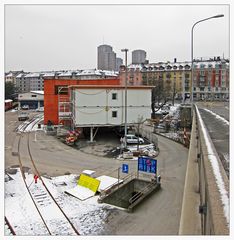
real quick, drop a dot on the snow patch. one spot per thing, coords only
(217, 116)
(31, 126)
(107, 182)
(81, 192)
(89, 216)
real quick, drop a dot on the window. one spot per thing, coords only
(33, 95)
(114, 114)
(114, 96)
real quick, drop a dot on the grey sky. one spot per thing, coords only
(55, 37)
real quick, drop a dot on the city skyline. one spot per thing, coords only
(58, 38)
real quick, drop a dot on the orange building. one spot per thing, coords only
(134, 75)
(57, 97)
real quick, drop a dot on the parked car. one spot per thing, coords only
(134, 139)
(25, 107)
(160, 126)
(23, 116)
(40, 109)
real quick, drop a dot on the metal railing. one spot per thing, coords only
(107, 191)
(142, 192)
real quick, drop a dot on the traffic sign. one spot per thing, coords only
(146, 164)
(125, 168)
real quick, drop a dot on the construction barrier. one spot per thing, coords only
(88, 182)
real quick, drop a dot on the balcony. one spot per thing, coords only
(63, 115)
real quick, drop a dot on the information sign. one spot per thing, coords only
(146, 164)
(125, 168)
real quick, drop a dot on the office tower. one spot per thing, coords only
(106, 58)
(138, 56)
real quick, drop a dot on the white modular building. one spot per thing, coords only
(95, 106)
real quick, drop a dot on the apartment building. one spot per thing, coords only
(210, 78)
(11, 76)
(34, 81)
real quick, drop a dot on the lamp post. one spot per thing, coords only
(125, 104)
(205, 19)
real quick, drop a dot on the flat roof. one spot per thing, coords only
(110, 87)
(38, 92)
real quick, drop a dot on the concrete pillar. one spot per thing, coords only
(91, 134)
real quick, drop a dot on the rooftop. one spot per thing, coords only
(110, 87)
(38, 92)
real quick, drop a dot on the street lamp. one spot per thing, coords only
(216, 16)
(125, 105)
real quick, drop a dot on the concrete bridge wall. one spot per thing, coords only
(205, 208)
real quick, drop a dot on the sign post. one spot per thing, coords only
(118, 176)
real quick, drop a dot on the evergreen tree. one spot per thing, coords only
(9, 90)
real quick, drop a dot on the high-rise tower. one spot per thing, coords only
(106, 58)
(138, 56)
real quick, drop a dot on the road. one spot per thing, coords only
(157, 215)
(218, 129)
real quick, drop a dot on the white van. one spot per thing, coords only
(134, 139)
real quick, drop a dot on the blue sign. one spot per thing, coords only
(125, 168)
(146, 164)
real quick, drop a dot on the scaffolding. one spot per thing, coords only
(65, 110)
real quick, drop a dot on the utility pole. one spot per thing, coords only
(125, 107)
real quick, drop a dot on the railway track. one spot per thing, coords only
(29, 124)
(55, 220)
(8, 228)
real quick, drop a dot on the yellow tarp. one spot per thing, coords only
(88, 182)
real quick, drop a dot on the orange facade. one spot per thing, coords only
(51, 94)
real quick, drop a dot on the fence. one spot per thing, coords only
(148, 133)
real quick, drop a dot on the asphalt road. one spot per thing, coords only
(218, 130)
(157, 215)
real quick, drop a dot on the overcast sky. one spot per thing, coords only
(56, 37)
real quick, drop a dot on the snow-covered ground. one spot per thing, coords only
(174, 110)
(30, 126)
(174, 113)
(87, 216)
